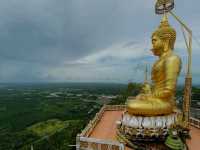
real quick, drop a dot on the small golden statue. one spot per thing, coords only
(159, 98)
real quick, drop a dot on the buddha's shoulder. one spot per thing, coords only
(174, 58)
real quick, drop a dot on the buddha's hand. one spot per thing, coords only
(156, 94)
(144, 96)
(146, 89)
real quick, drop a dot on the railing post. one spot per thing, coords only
(78, 142)
(99, 146)
(122, 147)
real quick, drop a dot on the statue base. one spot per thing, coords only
(141, 128)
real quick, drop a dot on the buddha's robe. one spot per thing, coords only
(164, 76)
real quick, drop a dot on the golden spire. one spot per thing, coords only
(164, 21)
(146, 74)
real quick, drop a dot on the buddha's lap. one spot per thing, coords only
(150, 104)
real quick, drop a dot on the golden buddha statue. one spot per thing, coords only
(158, 99)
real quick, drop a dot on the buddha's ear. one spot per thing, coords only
(166, 45)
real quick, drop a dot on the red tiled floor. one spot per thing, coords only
(106, 128)
(194, 143)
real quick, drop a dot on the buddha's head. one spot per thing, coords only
(163, 38)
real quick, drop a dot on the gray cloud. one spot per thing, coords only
(39, 37)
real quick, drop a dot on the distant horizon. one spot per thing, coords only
(70, 82)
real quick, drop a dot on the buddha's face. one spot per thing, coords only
(158, 45)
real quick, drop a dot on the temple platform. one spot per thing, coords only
(100, 134)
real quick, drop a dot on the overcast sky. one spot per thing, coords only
(86, 40)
